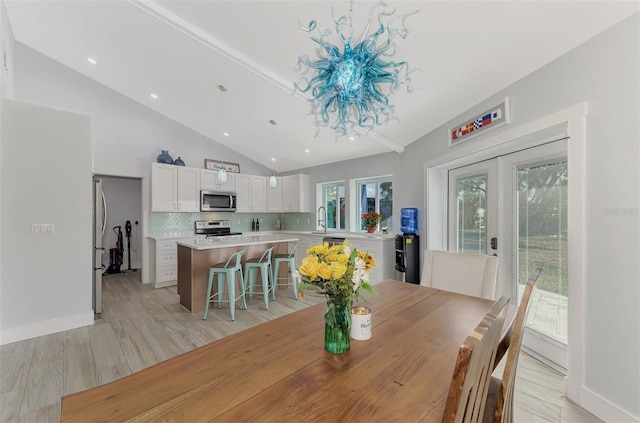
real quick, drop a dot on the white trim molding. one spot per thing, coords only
(573, 121)
(46, 327)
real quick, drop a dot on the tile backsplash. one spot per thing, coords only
(162, 223)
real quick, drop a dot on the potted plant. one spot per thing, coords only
(371, 220)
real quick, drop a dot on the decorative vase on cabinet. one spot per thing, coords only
(178, 162)
(164, 157)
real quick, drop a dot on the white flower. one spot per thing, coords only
(359, 274)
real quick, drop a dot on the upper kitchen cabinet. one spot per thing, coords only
(296, 196)
(209, 181)
(274, 196)
(174, 188)
(251, 193)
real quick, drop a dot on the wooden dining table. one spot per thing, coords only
(279, 371)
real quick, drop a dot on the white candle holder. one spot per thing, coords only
(360, 323)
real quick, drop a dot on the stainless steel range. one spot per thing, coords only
(215, 228)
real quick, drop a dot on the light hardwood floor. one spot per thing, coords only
(141, 326)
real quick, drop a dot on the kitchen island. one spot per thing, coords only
(195, 257)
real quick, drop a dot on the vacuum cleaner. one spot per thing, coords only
(115, 253)
(127, 229)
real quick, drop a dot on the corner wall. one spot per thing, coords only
(45, 168)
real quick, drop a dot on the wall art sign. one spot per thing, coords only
(219, 164)
(492, 118)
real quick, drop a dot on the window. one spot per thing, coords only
(333, 199)
(375, 195)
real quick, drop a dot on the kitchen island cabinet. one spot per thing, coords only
(196, 257)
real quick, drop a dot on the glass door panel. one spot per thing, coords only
(472, 208)
(542, 241)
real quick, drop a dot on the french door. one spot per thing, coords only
(515, 206)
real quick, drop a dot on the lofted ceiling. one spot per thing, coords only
(182, 50)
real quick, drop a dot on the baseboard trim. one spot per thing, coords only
(604, 409)
(46, 327)
(165, 283)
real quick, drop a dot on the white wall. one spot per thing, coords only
(45, 280)
(125, 135)
(604, 72)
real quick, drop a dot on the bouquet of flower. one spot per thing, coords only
(340, 274)
(337, 272)
(370, 219)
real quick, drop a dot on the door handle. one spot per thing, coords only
(494, 243)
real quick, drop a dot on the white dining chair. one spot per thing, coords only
(464, 273)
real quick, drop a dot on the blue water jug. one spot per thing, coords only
(409, 220)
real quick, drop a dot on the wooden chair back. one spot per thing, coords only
(504, 406)
(474, 364)
(464, 273)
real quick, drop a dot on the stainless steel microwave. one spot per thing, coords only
(217, 201)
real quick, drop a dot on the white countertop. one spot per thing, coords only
(227, 242)
(351, 235)
(175, 235)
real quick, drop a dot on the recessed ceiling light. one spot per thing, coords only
(92, 60)
(306, 150)
(154, 96)
(226, 134)
(273, 159)
(352, 138)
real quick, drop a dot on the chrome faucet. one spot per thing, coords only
(322, 221)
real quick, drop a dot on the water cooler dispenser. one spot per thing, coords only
(408, 247)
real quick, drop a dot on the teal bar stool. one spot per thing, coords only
(226, 271)
(264, 264)
(289, 259)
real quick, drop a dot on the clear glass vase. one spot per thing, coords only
(337, 324)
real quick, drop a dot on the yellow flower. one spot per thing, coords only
(324, 271)
(337, 257)
(368, 259)
(309, 267)
(319, 250)
(338, 270)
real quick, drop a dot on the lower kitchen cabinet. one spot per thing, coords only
(383, 250)
(164, 262)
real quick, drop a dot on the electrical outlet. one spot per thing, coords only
(298, 221)
(42, 229)
(308, 221)
(238, 221)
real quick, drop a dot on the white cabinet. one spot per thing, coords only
(174, 188)
(296, 196)
(251, 191)
(209, 181)
(274, 197)
(383, 251)
(164, 262)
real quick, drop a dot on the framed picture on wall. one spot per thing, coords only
(491, 118)
(219, 164)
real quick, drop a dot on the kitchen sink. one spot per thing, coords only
(331, 240)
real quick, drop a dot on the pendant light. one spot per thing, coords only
(222, 172)
(273, 181)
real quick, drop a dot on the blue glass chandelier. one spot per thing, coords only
(346, 86)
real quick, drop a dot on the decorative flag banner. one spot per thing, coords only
(494, 117)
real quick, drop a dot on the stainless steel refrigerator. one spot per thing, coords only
(99, 223)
